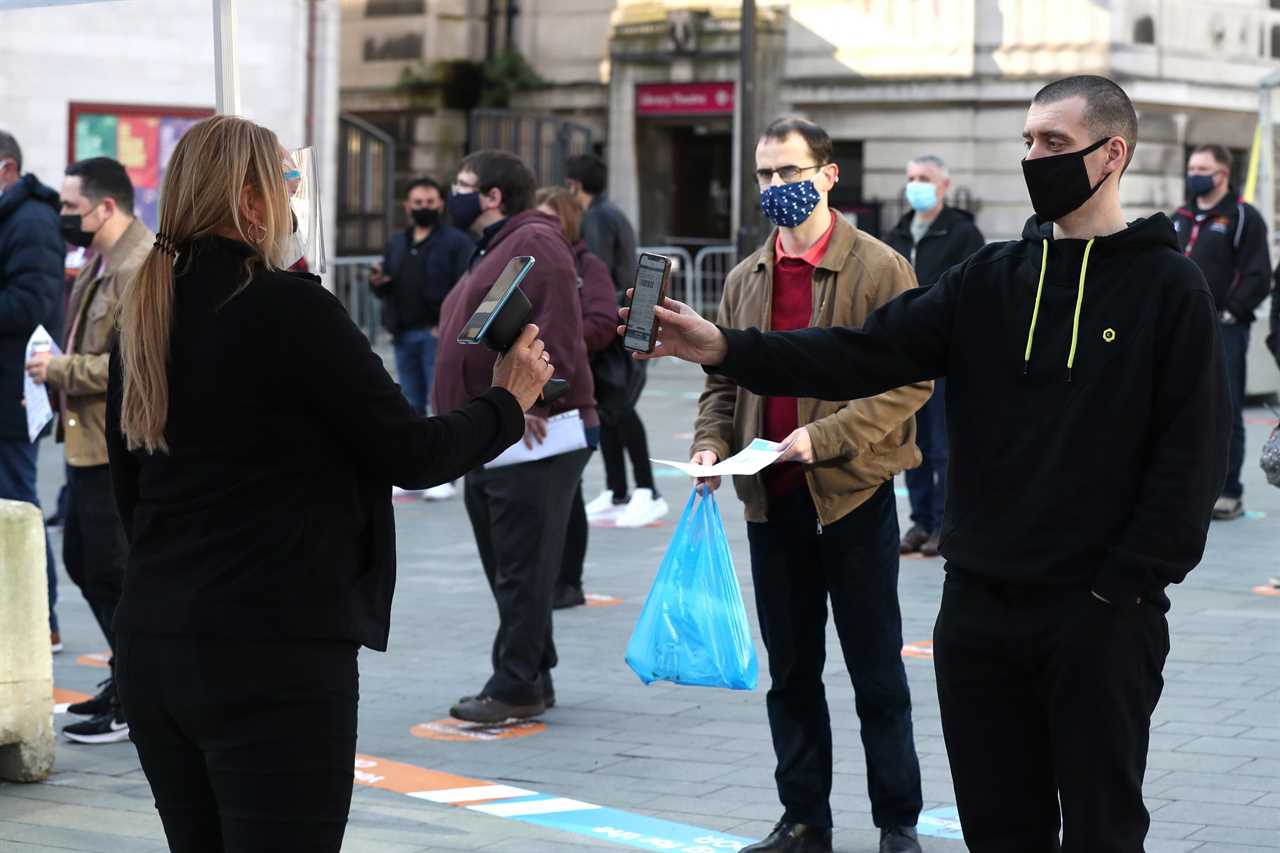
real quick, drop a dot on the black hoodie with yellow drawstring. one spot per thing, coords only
(1087, 403)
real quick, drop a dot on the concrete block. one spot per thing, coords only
(26, 660)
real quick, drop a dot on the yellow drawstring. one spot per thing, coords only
(1075, 324)
(1035, 313)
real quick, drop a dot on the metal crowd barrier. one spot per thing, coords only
(351, 285)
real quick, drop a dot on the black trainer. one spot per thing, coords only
(491, 711)
(98, 705)
(110, 727)
(913, 540)
(899, 839)
(793, 838)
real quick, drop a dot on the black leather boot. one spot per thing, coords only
(793, 838)
(899, 839)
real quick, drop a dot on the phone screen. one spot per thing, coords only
(493, 300)
(648, 287)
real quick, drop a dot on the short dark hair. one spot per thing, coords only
(102, 177)
(1108, 111)
(10, 149)
(590, 171)
(815, 137)
(504, 171)
(424, 182)
(1218, 152)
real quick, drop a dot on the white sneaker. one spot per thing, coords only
(603, 504)
(442, 492)
(397, 492)
(644, 509)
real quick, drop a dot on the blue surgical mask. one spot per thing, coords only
(1198, 185)
(464, 209)
(790, 205)
(922, 196)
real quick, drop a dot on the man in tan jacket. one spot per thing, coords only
(823, 523)
(97, 213)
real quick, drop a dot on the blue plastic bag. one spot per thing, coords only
(693, 627)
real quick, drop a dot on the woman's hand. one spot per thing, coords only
(682, 333)
(524, 368)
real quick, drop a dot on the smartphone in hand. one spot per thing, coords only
(653, 273)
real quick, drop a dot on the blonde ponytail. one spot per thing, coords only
(212, 165)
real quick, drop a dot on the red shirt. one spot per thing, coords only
(792, 309)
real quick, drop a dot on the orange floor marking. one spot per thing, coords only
(405, 778)
(453, 730)
(922, 649)
(1267, 589)
(597, 600)
(68, 697)
(101, 660)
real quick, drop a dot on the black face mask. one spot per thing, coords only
(425, 217)
(464, 209)
(73, 233)
(1060, 184)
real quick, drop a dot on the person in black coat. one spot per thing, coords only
(31, 267)
(933, 237)
(254, 438)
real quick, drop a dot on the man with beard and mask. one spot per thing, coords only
(824, 522)
(31, 294)
(422, 264)
(934, 237)
(1089, 418)
(97, 214)
(1227, 238)
(518, 512)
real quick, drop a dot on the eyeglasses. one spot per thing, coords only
(462, 189)
(789, 174)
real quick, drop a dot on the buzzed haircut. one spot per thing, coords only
(507, 172)
(815, 137)
(425, 182)
(1218, 152)
(590, 171)
(1108, 111)
(102, 177)
(10, 149)
(934, 161)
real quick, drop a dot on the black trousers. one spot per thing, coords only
(854, 562)
(519, 514)
(249, 746)
(94, 547)
(575, 543)
(625, 434)
(1046, 696)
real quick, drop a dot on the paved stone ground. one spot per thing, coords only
(691, 755)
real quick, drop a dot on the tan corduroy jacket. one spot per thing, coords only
(858, 445)
(82, 376)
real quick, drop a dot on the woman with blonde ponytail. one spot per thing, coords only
(254, 438)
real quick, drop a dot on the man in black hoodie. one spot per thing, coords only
(1089, 420)
(1227, 239)
(31, 265)
(934, 237)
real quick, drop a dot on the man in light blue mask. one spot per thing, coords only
(934, 237)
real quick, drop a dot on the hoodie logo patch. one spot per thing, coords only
(1109, 336)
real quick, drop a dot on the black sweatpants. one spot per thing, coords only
(575, 543)
(1046, 696)
(94, 547)
(519, 514)
(249, 746)
(854, 562)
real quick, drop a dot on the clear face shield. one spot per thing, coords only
(303, 184)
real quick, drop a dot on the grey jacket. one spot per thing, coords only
(611, 238)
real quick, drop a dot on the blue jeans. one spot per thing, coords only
(18, 483)
(927, 485)
(1235, 340)
(416, 365)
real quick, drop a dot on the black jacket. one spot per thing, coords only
(950, 240)
(32, 260)
(1104, 473)
(1229, 244)
(270, 518)
(412, 299)
(611, 238)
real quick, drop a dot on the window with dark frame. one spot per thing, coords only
(1144, 30)
(393, 8)
(405, 47)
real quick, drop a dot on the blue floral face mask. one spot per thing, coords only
(789, 205)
